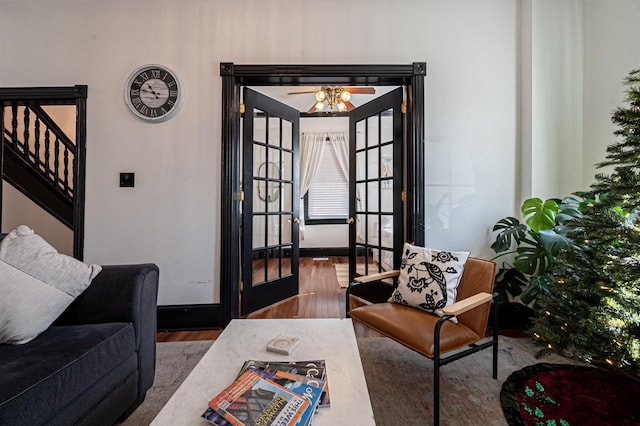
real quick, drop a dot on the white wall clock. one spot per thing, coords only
(154, 93)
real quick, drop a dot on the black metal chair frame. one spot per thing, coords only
(440, 361)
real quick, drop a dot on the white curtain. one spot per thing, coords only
(311, 149)
(341, 146)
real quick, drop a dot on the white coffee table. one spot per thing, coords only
(330, 339)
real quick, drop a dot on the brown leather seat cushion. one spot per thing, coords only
(413, 327)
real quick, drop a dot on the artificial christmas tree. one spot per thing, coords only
(593, 311)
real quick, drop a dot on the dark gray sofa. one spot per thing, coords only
(94, 365)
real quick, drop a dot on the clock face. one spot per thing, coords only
(154, 93)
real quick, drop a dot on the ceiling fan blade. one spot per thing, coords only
(312, 109)
(300, 93)
(349, 105)
(361, 90)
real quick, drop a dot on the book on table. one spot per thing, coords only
(309, 385)
(253, 400)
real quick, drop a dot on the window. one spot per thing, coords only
(327, 200)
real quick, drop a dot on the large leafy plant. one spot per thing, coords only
(534, 245)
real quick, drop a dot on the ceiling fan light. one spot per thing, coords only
(345, 96)
(319, 106)
(341, 106)
(320, 95)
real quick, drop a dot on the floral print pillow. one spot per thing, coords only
(429, 278)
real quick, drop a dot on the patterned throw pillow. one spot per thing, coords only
(429, 278)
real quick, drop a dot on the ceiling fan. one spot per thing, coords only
(335, 98)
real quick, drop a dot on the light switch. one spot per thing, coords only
(127, 179)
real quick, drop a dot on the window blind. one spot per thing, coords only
(329, 192)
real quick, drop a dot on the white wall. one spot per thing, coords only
(171, 217)
(611, 50)
(556, 119)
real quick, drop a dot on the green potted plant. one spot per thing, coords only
(533, 247)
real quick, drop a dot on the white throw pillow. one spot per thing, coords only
(429, 278)
(37, 284)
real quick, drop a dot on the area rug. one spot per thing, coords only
(174, 362)
(569, 395)
(342, 272)
(399, 381)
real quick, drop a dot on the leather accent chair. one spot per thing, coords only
(428, 334)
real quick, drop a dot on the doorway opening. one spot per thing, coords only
(42, 162)
(235, 79)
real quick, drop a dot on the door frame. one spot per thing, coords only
(235, 76)
(69, 95)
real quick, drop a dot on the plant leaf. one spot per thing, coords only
(510, 230)
(553, 242)
(540, 215)
(532, 259)
(538, 284)
(569, 209)
(509, 281)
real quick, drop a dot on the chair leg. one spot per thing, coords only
(495, 340)
(436, 389)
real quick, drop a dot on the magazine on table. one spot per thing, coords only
(289, 374)
(253, 400)
(300, 385)
(314, 369)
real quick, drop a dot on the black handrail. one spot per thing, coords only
(56, 172)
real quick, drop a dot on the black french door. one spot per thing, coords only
(376, 213)
(270, 164)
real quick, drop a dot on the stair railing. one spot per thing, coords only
(44, 146)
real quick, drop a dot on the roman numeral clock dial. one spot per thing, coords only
(154, 93)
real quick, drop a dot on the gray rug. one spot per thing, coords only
(174, 362)
(399, 381)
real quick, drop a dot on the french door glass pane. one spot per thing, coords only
(386, 161)
(386, 196)
(372, 131)
(372, 196)
(259, 236)
(286, 220)
(287, 135)
(286, 260)
(386, 126)
(274, 131)
(287, 197)
(361, 134)
(259, 266)
(287, 165)
(374, 165)
(259, 126)
(273, 270)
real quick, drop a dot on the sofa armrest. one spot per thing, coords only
(119, 293)
(123, 293)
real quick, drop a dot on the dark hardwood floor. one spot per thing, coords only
(319, 296)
